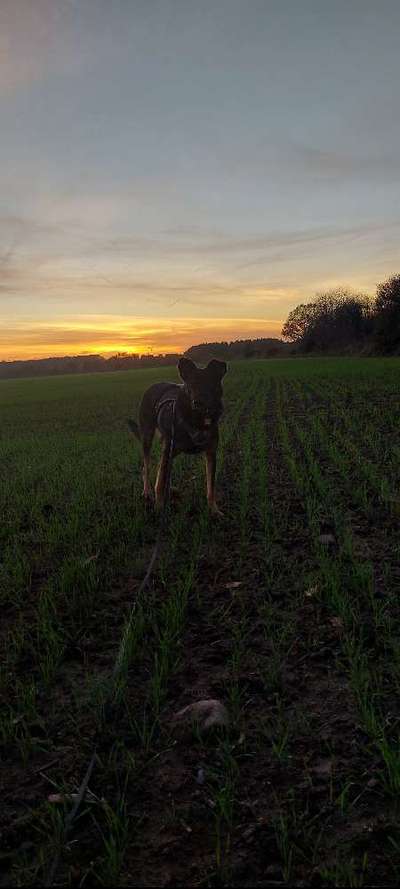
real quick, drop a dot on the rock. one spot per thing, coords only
(203, 715)
(323, 768)
(200, 777)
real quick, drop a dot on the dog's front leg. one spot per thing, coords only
(147, 492)
(147, 435)
(162, 475)
(211, 465)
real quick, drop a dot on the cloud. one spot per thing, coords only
(225, 245)
(40, 262)
(183, 271)
(325, 164)
(65, 281)
(71, 237)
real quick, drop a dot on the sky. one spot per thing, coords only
(182, 171)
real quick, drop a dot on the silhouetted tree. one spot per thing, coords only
(298, 322)
(257, 348)
(387, 315)
(334, 320)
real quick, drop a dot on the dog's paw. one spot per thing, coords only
(215, 511)
(148, 499)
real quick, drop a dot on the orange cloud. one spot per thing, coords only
(140, 335)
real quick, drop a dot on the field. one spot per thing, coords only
(286, 610)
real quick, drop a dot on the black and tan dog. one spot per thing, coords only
(194, 408)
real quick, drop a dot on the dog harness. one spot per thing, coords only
(162, 402)
(192, 433)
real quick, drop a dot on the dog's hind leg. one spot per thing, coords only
(162, 475)
(147, 441)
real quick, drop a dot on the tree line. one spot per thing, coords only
(79, 364)
(234, 349)
(343, 321)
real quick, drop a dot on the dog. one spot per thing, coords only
(193, 408)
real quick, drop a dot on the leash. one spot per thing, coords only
(119, 661)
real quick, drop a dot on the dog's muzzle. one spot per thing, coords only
(203, 417)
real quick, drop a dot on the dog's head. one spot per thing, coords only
(204, 389)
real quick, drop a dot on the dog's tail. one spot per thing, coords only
(133, 426)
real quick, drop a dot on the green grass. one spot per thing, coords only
(286, 610)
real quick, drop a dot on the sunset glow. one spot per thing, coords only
(140, 336)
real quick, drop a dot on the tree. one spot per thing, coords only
(298, 322)
(387, 315)
(334, 320)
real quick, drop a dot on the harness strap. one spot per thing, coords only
(192, 433)
(163, 402)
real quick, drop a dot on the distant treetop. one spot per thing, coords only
(257, 348)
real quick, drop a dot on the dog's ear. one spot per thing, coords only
(187, 369)
(217, 368)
